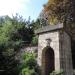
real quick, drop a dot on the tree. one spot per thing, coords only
(35, 24)
(14, 33)
(60, 11)
(43, 17)
(34, 40)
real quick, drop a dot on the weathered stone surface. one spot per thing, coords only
(54, 36)
(61, 45)
(49, 28)
(66, 55)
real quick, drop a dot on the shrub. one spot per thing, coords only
(57, 72)
(34, 40)
(27, 71)
(29, 65)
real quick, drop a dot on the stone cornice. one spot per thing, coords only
(49, 28)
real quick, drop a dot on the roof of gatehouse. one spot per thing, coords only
(49, 28)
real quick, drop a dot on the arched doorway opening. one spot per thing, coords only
(47, 60)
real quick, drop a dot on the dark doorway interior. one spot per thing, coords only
(48, 60)
(73, 52)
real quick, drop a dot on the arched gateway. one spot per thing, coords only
(47, 60)
(55, 54)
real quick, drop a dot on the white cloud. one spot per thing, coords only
(26, 1)
(9, 7)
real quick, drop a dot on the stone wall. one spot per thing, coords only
(65, 53)
(30, 49)
(61, 44)
(54, 36)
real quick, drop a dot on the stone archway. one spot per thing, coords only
(47, 61)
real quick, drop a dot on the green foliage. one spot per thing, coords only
(59, 11)
(14, 33)
(29, 65)
(29, 59)
(34, 40)
(35, 24)
(27, 71)
(57, 73)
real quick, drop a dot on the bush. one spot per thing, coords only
(27, 71)
(57, 72)
(29, 65)
(34, 40)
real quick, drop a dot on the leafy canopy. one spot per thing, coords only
(60, 11)
(14, 33)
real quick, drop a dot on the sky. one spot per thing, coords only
(24, 8)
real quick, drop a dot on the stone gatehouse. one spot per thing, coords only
(55, 50)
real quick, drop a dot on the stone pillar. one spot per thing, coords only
(66, 55)
(57, 55)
